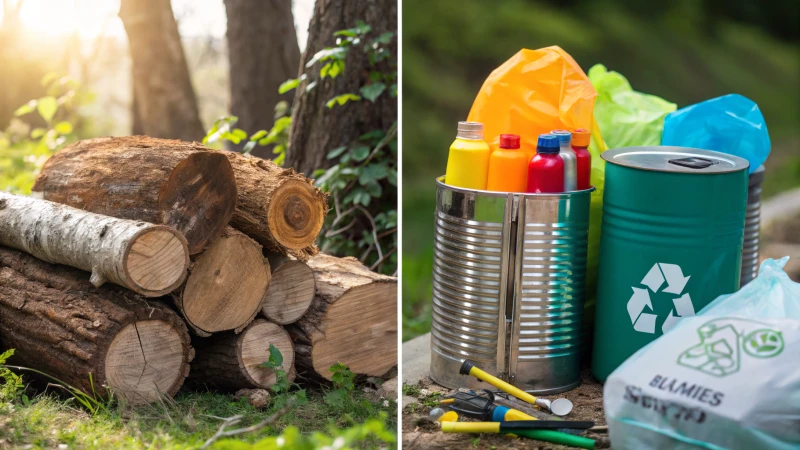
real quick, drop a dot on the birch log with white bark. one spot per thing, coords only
(151, 260)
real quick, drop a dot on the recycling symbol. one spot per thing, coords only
(645, 322)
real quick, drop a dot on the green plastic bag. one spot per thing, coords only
(626, 118)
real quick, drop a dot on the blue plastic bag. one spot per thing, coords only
(731, 124)
(727, 378)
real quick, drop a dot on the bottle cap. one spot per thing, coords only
(564, 136)
(510, 141)
(470, 130)
(581, 137)
(548, 144)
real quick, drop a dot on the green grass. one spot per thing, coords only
(184, 423)
(674, 55)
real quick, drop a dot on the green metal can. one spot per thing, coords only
(671, 242)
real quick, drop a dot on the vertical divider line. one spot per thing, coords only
(513, 287)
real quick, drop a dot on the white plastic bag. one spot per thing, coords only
(728, 378)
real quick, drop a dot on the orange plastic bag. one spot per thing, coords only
(532, 93)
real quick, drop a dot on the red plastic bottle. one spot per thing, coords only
(580, 143)
(546, 169)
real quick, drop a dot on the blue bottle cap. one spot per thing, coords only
(564, 136)
(548, 144)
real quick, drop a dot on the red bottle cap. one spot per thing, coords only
(581, 137)
(509, 141)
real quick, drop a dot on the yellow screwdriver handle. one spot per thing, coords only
(499, 384)
(471, 427)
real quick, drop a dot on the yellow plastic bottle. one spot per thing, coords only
(468, 162)
(508, 166)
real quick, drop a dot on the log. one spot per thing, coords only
(229, 361)
(148, 259)
(89, 337)
(352, 320)
(290, 291)
(225, 286)
(133, 178)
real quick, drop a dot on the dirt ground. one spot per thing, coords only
(421, 432)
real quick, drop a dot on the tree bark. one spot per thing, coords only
(290, 292)
(89, 337)
(316, 130)
(140, 178)
(225, 286)
(148, 259)
(165, 97)
(352, 320)
(230, 361)
(263, 53)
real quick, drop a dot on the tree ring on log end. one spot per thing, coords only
(290, 292)
(145, 360)
(156, 260)
(359, 331)
(199, 198)
(226, 285)
(295, 214)
(253, 351)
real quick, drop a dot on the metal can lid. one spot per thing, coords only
(675, 159)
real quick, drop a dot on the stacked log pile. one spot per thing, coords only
(141, 263)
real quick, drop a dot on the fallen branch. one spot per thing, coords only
(230, 421)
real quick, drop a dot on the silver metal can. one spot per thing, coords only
(752, 227)
(509, 287)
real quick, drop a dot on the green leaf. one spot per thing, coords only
(280, 159)
(374, 189)
(341, 100)
(63, 127)
(49, 78)
(385, 38)
(326, 54)
(281, 124)
(372, 91)
(360, 153)
(47, 107)
(275, 356)
(239, 133)
(373, 136)
(258, 135)
(372, 172)
(393, 90)
(289, 84)
(336, 152)
(36, 133)
(25, 109)
(392, 177)
(362, 27)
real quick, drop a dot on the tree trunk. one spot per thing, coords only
(352, 320)
(89, 337)
(316, 130)
(230, 361)
(225, 285)
(263, 53)
(140, 178)
(290, 292)
(164, 94)
(148, 259)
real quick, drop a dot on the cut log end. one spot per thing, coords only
(203, 187)
(295, 215)
(290, 293)
(145, 360)
(360, 332)
(157, 261)
(226, 284)
(254, 351)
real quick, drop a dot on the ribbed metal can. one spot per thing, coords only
(509, 278)
(752, 227)
(671, 242)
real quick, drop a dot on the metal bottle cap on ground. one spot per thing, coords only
(569, 158)
(470, 130)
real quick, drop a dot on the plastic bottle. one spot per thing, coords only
(508, 166)
(570, 160)
(546, 169)
(580, 144)
(468, 162)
